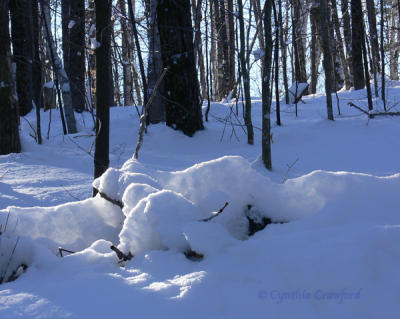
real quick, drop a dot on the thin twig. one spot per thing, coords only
(289, 167)
(143, 118)
(216, 214)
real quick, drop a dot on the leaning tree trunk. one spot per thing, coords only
(21, 32)
(103, 90)
(9, 135)
(183, 107)
(327, 56)
(59, 71)
(357, 37)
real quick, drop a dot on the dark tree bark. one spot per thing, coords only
(357, 37)
(183, 107)
(245, 76)
(266, 98)
(103, 90)
(155, 66)
(9, 136)
(276, 61)
(21, 32)
(37, 78)
(283, 52)
(340, 47)
(73, 22)
(315, 44)
(327, 56)
(298, 47)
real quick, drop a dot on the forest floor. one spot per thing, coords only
(335, 186)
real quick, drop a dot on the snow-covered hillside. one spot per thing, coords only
(333, 193)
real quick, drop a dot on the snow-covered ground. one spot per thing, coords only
(334, 184)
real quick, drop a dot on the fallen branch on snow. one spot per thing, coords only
(372, 115)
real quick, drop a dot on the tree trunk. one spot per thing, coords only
(37, 79)
(298, 44)
(21, 32)
(245, 76)
(183, 107)
(373, 35)
(266, 99)
(327, 56)
(9, 135)
(155, 67)
(357, 37)
(340, 47)
(127, 57)
(347, 36)
(103, 90)
(315, 44)
(394, 43)
(283, 52)
(73, 22)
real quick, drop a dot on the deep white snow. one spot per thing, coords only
(334, 184)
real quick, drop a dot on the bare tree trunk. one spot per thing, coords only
(37, 79)
(340, 47)
(356, 43)
(127, 58)
(276, 61)
(327, 56)
(383, 94)
(21, 32)
(230, 30)
(266, 99)
(197, 14)
(283, 52)
(60, 73)
(315, 44)
(103, 90)
(298, 45)
(155, 67)
(347, 36)
(373, 35)
(183, 107)
(9, 135)
(393, 43)
(245, 76)
(337, 80)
